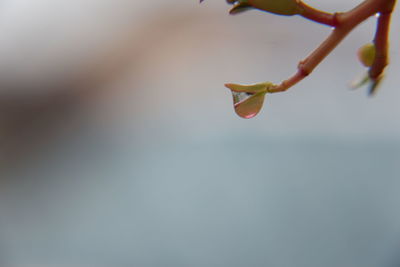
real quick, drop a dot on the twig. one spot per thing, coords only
(343, 24)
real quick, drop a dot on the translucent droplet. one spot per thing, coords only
(240, 96)
(249, 99)
(248, 105)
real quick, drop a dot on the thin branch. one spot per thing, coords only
(319, 16)
(344, 24)
(381, 42)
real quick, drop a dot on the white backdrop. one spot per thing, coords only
(121, 147)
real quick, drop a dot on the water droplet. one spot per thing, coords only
(248, 105)
(240, 96)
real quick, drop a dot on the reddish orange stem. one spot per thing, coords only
(319, 16)
(343, 24)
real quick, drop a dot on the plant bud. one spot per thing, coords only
(280, 7)
(366, 54)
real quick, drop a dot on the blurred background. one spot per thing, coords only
(119, 145)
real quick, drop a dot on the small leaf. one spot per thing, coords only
(373, 84)
(239, 8)
(252, 88)
(360, 81)
(279, 7)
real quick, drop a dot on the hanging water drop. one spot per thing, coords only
(248, 99)
(248, 105)
(240, 96)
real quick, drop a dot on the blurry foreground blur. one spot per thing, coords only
(119, 145)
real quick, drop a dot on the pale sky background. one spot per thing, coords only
(182, 44)
(120, 146)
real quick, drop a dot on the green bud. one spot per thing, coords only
(280, 7)
(366, 54)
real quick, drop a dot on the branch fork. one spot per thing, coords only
(342, 23)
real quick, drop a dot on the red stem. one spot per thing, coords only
(344, 24)
(316, 15)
